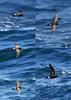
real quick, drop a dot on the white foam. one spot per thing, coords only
(69, 72)
(38, 38)
(27, 28)
(9, 27)
(3, 77)
(2, 29)
(63, 72)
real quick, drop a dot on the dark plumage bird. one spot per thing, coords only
(52, 72)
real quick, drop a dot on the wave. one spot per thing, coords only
(10, 28)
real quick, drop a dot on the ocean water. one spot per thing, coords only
(53, 48)
(19, 30)
(39, 47)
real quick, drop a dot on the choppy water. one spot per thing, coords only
(17, 30)
(39, 48)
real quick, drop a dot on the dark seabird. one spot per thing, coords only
(52, 72)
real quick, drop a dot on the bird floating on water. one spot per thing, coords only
(52, 72)
(17, 49)
(18, 13)
(54, 23)
(18, 87)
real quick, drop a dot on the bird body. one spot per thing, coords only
(54, 23)
(17, 50)
(18, 87)
(52, 72)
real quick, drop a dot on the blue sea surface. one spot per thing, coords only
(39, 47)
(53, 48)
(19, 30)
